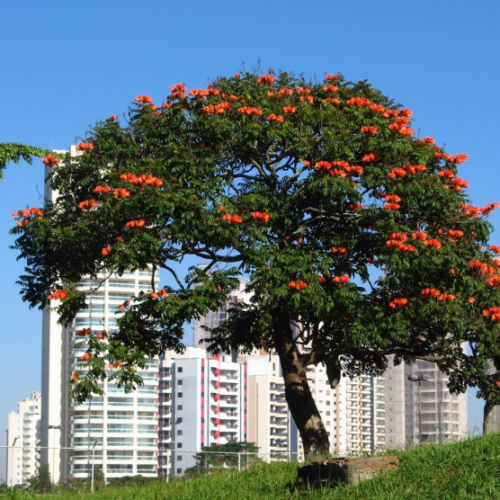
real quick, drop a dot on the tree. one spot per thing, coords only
(225, 456)
(356, 237)
(42, 481)
(15, 151)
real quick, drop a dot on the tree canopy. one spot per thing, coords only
(16, 151)
(356, 237)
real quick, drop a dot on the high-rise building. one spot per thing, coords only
(422, 409)
(23, 434)
(203, 402)
(215, 318)
(123, 427)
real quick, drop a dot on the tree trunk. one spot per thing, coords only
(298, 395)
(488, 417)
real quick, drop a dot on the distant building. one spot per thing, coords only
(123, 425)
(203, 402)
(443, 415)
(23, 434)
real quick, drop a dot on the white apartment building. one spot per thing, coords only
(124, 426)
(203, 402)
(422, 410)
(215, 318)
(23, 434)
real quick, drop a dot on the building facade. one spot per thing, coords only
(422, 410)
(23, 434)
(122, 427)
(203, 402)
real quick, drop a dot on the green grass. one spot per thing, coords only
(464, 470)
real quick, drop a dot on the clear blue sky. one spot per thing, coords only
(66, 65)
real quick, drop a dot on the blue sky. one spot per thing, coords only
(66, 65)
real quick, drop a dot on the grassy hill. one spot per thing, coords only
(465, 470)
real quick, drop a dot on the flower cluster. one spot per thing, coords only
(406, 169)
(297, 285)
(221, 108)
(58, 295)
(341, 279)
(400, 125)
(368, 130)
(459, 158)
(248, 110)
(262, 216)
(102, 189)
(88, 204)
(136, 223)
(332, 100)
(281, 93)
(106, 250)
(124, 193)
(360, 102)
(50, 161)
(337, 168)
(233, 219)
(85, 146)
(144, 99)
(159, 293)
(459, 184)
(275, 118)
(83, 333)
(266, 79)
(330, 88)
(142, 180)
(493, 313)
(426, 140)
(433, 243)
(472, 211)
(340, 250)
(396, 240)
(289, 109)
(369, 157)
(178, 91)
(434, 292)
(455, 233)
(401, 302)
(26, 213)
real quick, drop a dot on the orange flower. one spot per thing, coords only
(331, 100)
(330, 88)
(125, 193)
(50, 161)
(144, 98)
(106, 250)
(341, 250)
(102, 189)
(275, 118)
(85, 357)
(369, 157)
(368, 130)
(58, 295)
(341, 279)
(111, 366)
(136, 223)
(359, 102)
(262, 216)
(392, 206)
(266, 79)
(85, 146)
(75, 376)
(248, 110)
(472, 300)
(297, 285)
(233, 219)
(401, 302)
(289, 109)
(330, 77)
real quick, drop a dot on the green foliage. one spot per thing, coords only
(459, 471)
(15, 151)
(224, 457)
(42, 482)
(357, 238)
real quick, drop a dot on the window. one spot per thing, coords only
(179, 433)
(179, 394)
(179, 445)
(328, 403)
(179, 407)
(179, 471)
(179, 382)
(327, 413)
(179, 369)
